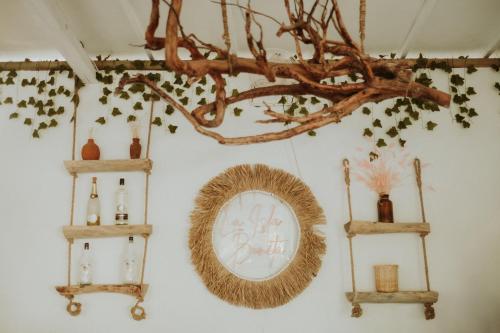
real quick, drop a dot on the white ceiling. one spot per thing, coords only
(105, 26)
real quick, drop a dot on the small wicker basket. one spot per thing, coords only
(386, 278)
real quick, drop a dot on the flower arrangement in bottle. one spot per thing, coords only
(381, 173)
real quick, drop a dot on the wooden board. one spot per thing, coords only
(398, 297)
(127, 289)
(363, 227)
(102, 231)
(75, 167)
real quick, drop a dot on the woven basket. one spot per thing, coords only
(386, 278)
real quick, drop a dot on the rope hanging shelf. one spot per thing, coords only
(71, 232)
(353, 228)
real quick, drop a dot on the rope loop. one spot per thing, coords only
(73, 308)
(137, 311)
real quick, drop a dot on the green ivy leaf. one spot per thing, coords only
(203, 81)
(53, 123)
(124, 95)
(157, 121)
(8, 100)
(237, 111)
(184, 100)
(138, 106)
(381, 143)
(471, 69)
(302, 100)
(213, 88)
(282, 100)
(51, 112)
(28, 121)
(199, 91)
(457, 80)
(9, 81)
(303, 111)
(136, 88)
(21, 104)
(314, 100)
(14, 115)
(106, 91)
(101, 120)
(179, 92)
(131, 118)
(366, 110)
(202, 101)
(377, 123)
(116, 112)
(392, 132)
(52, 93)
(31, 101)
(495, 67)
(367, 132)
(103, 99)
(471, 91)
(42, 126)
(172, 128)
(35, 134)
(60, 110)
(465, 124)
(12, 73)
(472, 112)
(40, 112)
(431, 125)
(49, 102)
(454, 89)
(178, 79)
(51, 81)
(155, 77)
(311, 133)
(234, 93)
(402, 142)
(169, 109)
(167, 86)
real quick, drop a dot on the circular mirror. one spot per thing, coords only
(255, 235)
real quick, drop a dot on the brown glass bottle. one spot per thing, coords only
(384, 207)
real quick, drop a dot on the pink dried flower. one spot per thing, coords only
(384, 173)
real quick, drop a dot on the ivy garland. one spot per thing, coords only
(48, 107)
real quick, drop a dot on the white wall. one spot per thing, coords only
(464, 210)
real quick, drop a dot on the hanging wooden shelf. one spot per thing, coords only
(106, 231)
(397, 297)
(135, 290)
(366, 228)
(352, 228)
(75, 167)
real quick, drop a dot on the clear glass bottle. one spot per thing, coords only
(85, 266)
(94, 206)
(121, 199)
(130, 263)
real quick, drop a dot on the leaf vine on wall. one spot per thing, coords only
(42, 107)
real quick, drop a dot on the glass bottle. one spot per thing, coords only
(85, 266)
(384, 208)
(130, 263)
(94, 206)
(121, 199)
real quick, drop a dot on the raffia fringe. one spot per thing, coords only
(294, 278)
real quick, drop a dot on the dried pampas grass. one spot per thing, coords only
(279, 289)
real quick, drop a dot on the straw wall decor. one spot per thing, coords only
(274, 193)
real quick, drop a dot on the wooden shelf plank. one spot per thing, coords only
(102, 231)
(86, 166)
(363, 227)
(127, 289)
(397, 297)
